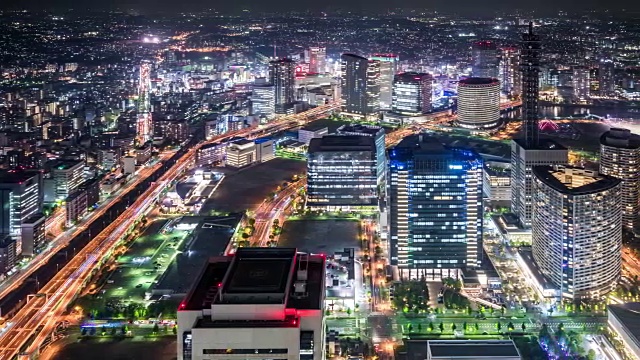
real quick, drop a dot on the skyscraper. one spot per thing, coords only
(435, 208)
(354, 83)
(373, 87)
(378, 134)
(580, 81)
(388, 69)
(509, 72)
(282, 76)
(606, 72)
(620, 158)
(263, 101)
(577, 230)
(411, 93)
(530, 151)
(317, 60)
(342, 173)
(21, 196)
(479, 103)
(485, 59)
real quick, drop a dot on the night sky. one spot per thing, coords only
(463, 7)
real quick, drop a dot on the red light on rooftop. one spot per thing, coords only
(219, 284)
(182, 305)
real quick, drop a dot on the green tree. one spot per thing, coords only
(477, 327)
(175, 329)
(464, 326)
(252, 221)
(114, 331)
(103, 331)
(124, 330)
(156, 328)
(419, 327)
(409, 328)
(524, 327)
(591, 355)
(498, 326)
(430, 326)
(510, 326)
(453, 327)
(441, 327)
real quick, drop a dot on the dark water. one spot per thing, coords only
(551, 112)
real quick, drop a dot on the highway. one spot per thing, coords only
(42, 312)
(272, 209)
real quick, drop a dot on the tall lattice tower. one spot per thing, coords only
(530, 68)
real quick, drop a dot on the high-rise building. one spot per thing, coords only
(21, 196)
(411, 93)
(530, 151)
(144, 124)
(373, 87)
(479, 103)
(342, 173)
(378, 134)
(263, 101)
(577, 230)
(620, 158)
(317, 60)
(509, 73)
(485, 59)
(435, 208)
(360, 85)
(606, 72)
(388, 69)
(580, 82)
(260, 303)
(282, 77)
(67, 176)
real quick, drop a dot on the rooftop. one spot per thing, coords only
(628, 315)
(573, 181)
(65, 164)
(477, 81)
(472, 349)
(620, 138)
(370, 130)
(543, 144)
(16, 176)
(342, 143)
(411, 76)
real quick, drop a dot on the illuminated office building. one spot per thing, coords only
(388, 69)
(509, 72)
(606, 72)
(67, 176)
(577, 230)
(21, 196)
(620, 158)
(485, 59)
(282, 77)
(479, 103)
(378, 134)
(411, 94)
(317, 60)
(263, 101)
(360, 85)
(580, 80)
(342, 173)
(435, 208)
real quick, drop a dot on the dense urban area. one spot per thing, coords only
(410, 185)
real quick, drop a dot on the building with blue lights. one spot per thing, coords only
(377, 132)
(435, 208)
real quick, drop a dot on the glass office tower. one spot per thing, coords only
(342, 173)
(435, 208)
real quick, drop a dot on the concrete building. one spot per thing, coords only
(171, 130)
(211, 154)
(76, 206)
(622, 321)
(264, 149)
(241, 153)
(360, 85)
(435, 208)
(411, 94)
(620, 158)
(33, 235)
(509, 73)
(9, 252)
(67, 177)
(581, 83)
(497, 183)
(377, 132)
(309, 132)
(128, 164)
(109, 158)
(577, 230)
(459, 350)
(342, 173)
(479, 103)
(262, 303)
(317, 60)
